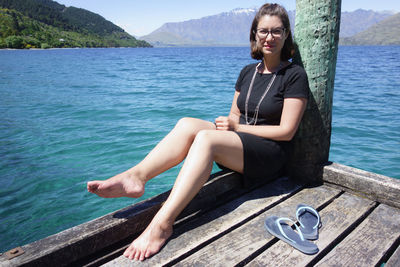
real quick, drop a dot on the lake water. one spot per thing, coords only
(73, 115)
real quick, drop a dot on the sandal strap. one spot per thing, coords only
(312, 210)
(278, 221)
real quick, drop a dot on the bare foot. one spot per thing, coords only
(122, 185)
(149, 242)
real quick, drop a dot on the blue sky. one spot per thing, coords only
(141, 17)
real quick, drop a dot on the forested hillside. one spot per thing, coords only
(45, 23)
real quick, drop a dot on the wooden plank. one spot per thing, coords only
(337, 218)
(369, 242)
(394, 260)
(92, 237)
(377, 187)
(210, 225)
(239, 244)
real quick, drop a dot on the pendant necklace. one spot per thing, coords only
(271, 82)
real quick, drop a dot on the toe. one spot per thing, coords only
(126, 253)
(141, 257)
(132, 255)
(137, 255)
(148, 254)
(129, 252)
(92, 186)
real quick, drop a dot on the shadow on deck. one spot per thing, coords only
(224, 226)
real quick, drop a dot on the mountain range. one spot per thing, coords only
(232, 28)
(46, 23)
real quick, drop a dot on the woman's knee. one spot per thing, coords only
(186, 126)
(190, 126)
(205, 138)
(185, 122)
(222, 145)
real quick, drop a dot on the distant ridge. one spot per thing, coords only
(224, 28)
(359, 20)
(46, 23)
(232, 28)
(385, 32)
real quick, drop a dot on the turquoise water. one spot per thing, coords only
(73, 115)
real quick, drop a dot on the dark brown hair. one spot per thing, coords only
(280, 12)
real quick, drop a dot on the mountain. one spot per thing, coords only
(232, 28)
(385, 32)
(359, 20)
(46, 23)
(226, 28)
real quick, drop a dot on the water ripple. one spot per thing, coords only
(69, 116)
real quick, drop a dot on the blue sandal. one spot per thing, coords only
(309, 220)
(279, 228)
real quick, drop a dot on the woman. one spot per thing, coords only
(267, 107)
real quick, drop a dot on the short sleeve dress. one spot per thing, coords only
(265, 158)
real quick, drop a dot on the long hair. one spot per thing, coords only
(272, 10)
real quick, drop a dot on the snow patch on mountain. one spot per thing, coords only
(244, 11)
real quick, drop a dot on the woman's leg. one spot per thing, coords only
(168, 153)
(226, 148)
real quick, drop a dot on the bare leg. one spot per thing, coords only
(223, 146)
(168, 153)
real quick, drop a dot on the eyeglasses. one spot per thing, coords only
(276, 33)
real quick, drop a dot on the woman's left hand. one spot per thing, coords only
(225, 124)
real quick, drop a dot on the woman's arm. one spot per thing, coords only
(293, 109)
(228, 123)
(234, 114)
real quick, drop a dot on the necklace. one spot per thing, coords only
(271, 82)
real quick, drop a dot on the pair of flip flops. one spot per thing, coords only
(309, 221)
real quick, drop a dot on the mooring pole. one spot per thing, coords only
(316, 36)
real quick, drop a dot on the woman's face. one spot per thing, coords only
(270, 35)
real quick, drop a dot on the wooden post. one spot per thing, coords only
(316, 38)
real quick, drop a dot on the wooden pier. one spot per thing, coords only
(224, 223)
(224, 226)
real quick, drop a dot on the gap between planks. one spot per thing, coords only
(191, 236)
(244, 243)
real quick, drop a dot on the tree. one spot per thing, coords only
(14, 42)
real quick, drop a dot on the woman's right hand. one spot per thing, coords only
(223, 123)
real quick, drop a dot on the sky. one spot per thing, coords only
(141, 17)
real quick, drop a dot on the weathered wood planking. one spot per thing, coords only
(88, 238)
(394, 260)
(202, 226)
(337, 218)
(212, 224)
(374, 186)
(369, 242)
(239, 244)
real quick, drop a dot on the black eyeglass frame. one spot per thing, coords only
(268, 32)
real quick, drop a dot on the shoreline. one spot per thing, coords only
(183, 46)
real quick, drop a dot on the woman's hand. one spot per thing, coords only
(225, 123)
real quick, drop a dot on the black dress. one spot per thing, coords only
(265, 158)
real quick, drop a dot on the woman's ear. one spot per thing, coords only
(255, 36)
(286, 34)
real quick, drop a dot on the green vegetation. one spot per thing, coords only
(47, 24)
